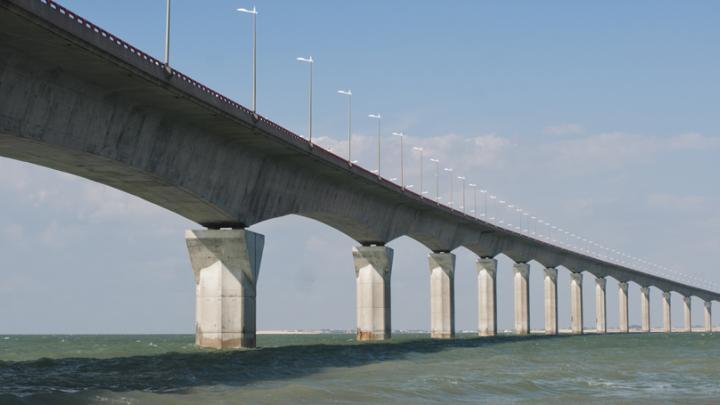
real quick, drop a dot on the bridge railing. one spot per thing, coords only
(194, 83)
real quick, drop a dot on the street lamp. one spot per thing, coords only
(437, 178)
(462, 179)
(167, 36)
(419, 149)
(402, 162)
(254, 69)
(474, 187)
(492, 198)
(452, 194)
(348, 93)
(310, 62)
(485, 205)
(378, 117)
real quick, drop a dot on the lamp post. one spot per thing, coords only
(348, 93)
(462, 180)
(474, 210)
(492, 198)
(419, 149)
(254, 69)
(437, 178)
(378, 117)
(485, 204)
(452, 196)
(402, 162)
(310, 62)
(167, 36)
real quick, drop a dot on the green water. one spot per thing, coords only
(168, 369)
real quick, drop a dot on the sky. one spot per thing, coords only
(600, 118)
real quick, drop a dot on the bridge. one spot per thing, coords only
(77, 99)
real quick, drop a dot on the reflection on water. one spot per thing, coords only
(333, 368)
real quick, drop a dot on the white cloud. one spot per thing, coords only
(677, 203)
(564, 129)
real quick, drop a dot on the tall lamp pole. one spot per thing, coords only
(437, 178)
(254, 69)
(348, 93)
(485, 203)
(402, 162)
(378, 117)
(462, 180)
(311, 62)
(474, 210)
(419, 149)
(452, 194)
(167, 35)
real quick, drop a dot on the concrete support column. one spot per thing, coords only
(551, 309)
(576, 303)
(373, 266)
(624, 324)
(226, 264)
(708, 316)
(487, 296)
(688, 314)
(521, 276)
(442, 295)
(600, 305)
(645, 308)
(667, 326)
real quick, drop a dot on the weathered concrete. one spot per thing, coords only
(645, 309)
(77, 101)
(226, 264)
(373, 267)
(600, 306)
(623, 320)
(521, 274)
(667, 324)
(576, 303)
(687, 301)
(442, 295)
(708, 316)
(487, 296)
(551, 301)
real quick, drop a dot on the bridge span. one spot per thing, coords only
(75, 98)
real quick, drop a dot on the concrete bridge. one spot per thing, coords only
(77, 99)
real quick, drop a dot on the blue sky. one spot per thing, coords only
(601, 118)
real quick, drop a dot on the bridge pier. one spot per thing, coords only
(645, 308)
(551, 308)
(600, 305)
(442, 295)
(624, 325)
(522, 298)
(373, 267)
(708, 316)
(576, 303)
(687, 301)
(667, 326)
(487, 296)
(226, 264)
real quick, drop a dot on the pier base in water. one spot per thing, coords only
(226, 264)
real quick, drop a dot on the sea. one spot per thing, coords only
(333, 368)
